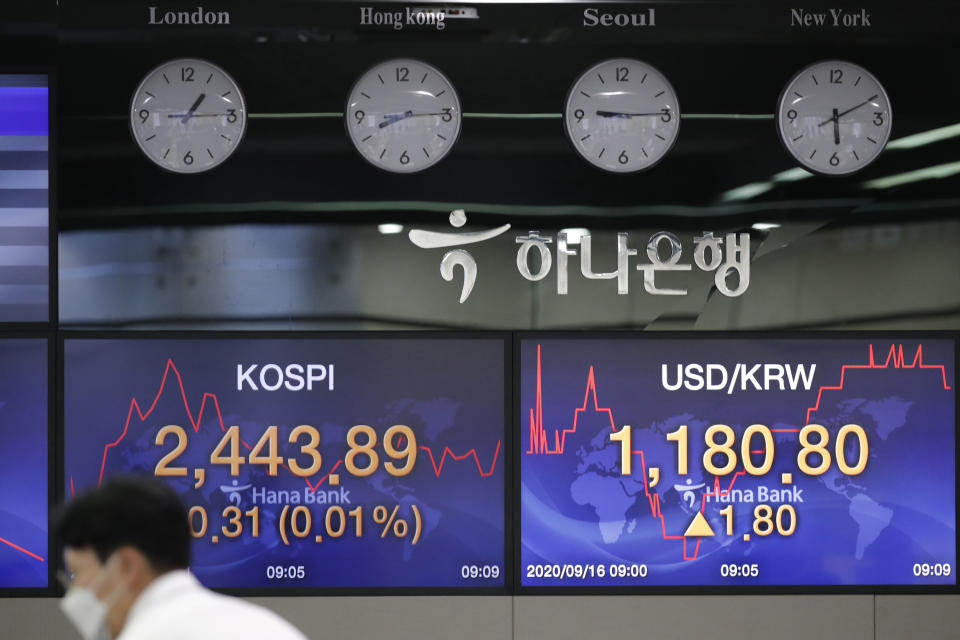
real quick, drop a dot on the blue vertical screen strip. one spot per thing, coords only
(24, 558)
(24, 199)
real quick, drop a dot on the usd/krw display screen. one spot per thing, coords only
(737, 462)
(350, 462)
(24, 491)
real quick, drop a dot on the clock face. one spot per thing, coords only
(622, 115)
(834, 118)
(403, 115)
(188, 116)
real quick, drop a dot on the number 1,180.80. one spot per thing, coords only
(750, 434)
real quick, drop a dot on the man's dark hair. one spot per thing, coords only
(128, 511)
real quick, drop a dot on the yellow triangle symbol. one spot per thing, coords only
(699, 528)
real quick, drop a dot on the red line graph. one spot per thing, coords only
(539, 441)
(894, 356)
(538, 435)
(22, 550)
(195, 423)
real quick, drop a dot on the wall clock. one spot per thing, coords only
(403, 115)
(622, 115)
(834, 117)
(188, 115)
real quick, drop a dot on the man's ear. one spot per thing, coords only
(132, 565)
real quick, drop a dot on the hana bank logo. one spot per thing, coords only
(726, 256)
(233, 492)
(688, 494)
(457, 257)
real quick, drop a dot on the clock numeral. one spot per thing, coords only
(403, 74)
(359, 115)
(447, 116)
(231, 115)
(144, 114)
(878, 118)
(792, 115)
(186, 74)
(578, 114)
(188, 159)
(404, 158)
(623, 159)
(623, 74)
(834, 160)
(836, 76)
(667, 116)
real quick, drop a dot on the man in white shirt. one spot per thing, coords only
(127, 548)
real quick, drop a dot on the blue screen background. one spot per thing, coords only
(24, 505)
(449, 391)
(869, 529)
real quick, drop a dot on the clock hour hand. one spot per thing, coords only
(836, 127)
(193, 107)
(836, 115)
(394, 117)
(621, 114)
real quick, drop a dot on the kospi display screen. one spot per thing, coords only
(346, 462)
(698, 462)
(24, 494)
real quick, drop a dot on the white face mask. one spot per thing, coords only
(87, 612)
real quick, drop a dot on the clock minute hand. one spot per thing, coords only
(843, 113)
(193, 107)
